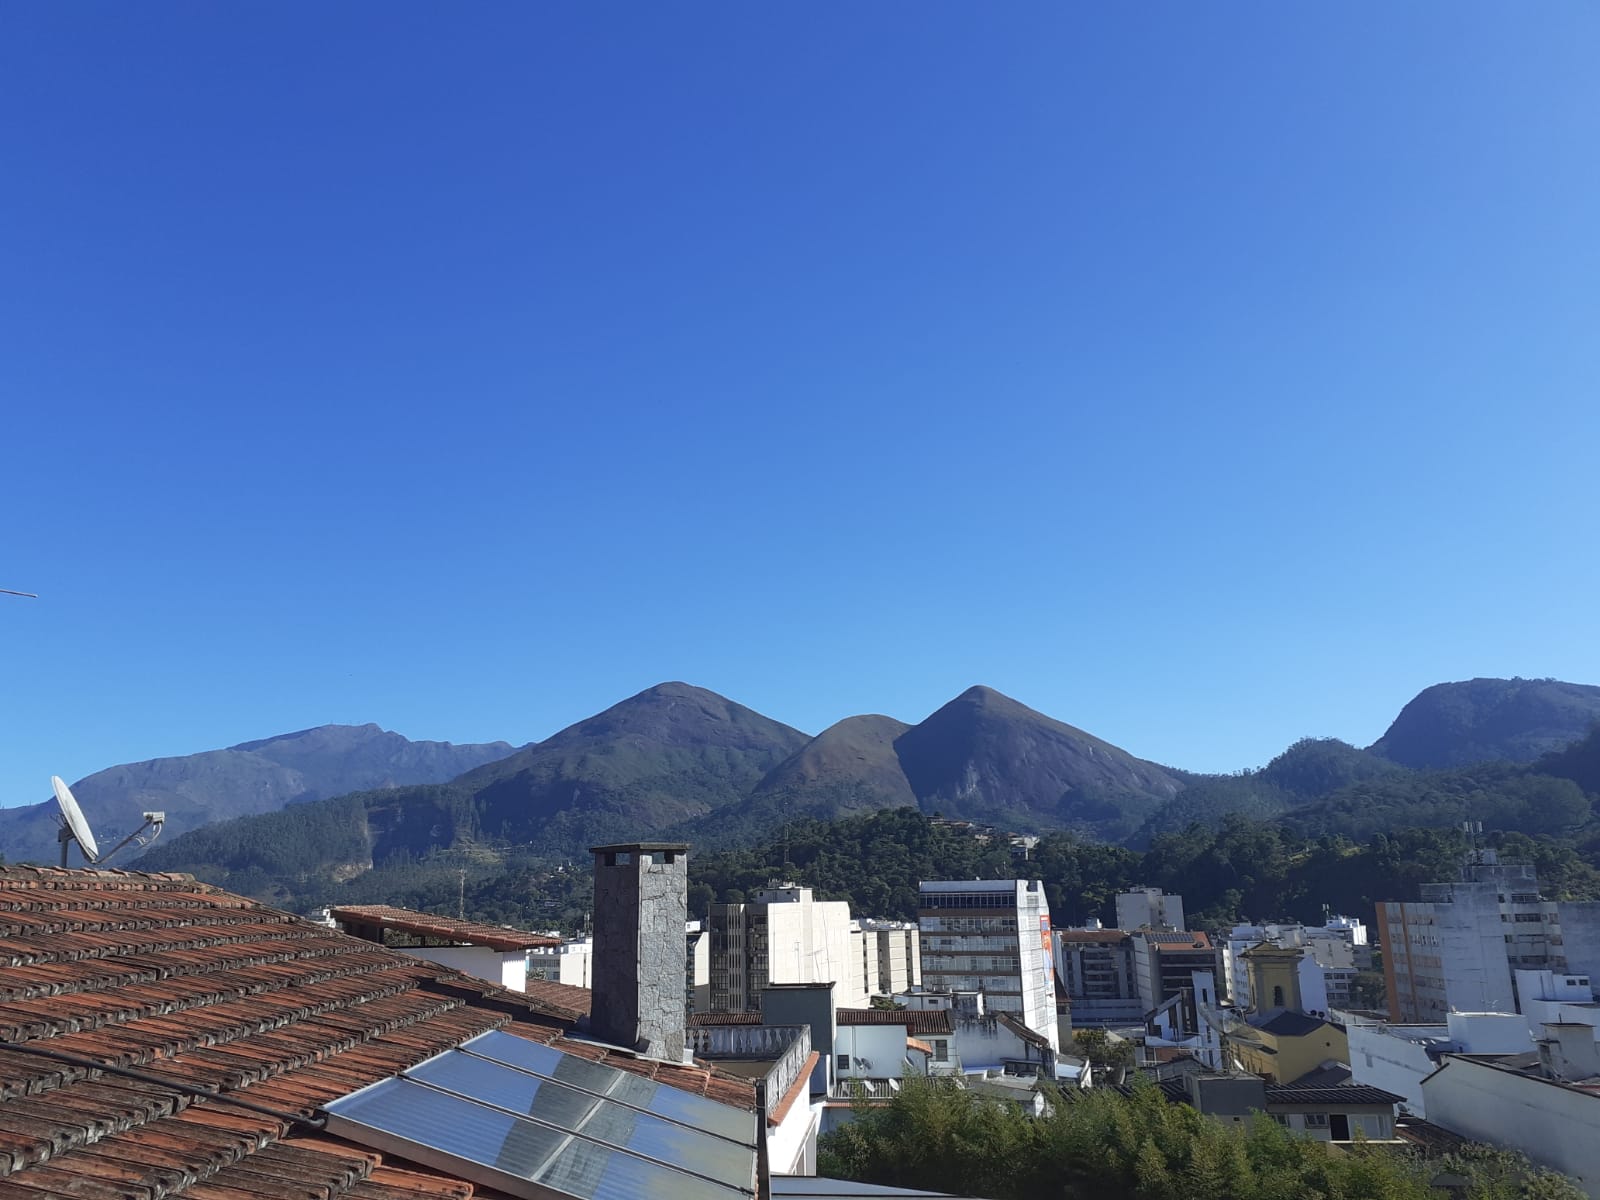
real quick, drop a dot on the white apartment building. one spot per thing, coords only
(1398, 1058)
(783, 935)
(1327, 969)
(571, 962)
(1149, 908)
(696, 967)
(991, 936)
(1459, 947)
(891, 955)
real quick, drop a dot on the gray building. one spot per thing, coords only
(1458, 948)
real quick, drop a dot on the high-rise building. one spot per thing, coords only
(891, 956)
(1164, 963)
(1456, 949)
(783, 934)
(993, 936)
(1096, 967)
(1149, 908)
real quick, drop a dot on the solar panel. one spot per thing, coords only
(601, 1080)
(590, 1116)
(515, 1154)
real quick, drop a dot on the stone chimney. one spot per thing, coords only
(641, 901)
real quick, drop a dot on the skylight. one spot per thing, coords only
(530, 1120)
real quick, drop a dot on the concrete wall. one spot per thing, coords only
(508, 968)
(792, 1144)
(1394, 1061)
(881, 1046)
(1553, 1125)
(1580, 936)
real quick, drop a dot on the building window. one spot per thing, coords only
(1316, 1120)
(1277, 997)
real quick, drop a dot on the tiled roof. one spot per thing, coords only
(194, 986)
(1289, 1024)
(1348, 1093)
(420, 924)
(1168, 939)
(919, 1023)
(1022, 1031)
(702, 1019)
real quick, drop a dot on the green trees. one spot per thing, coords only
(1108, 1146)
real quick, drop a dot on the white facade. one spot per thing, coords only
(872, 1051)
(572, 962)
(991, 936)
(890, 954)
(1398, 1058)
(1326, 971)
(696, 967)
(1551, 1122)
(1460, 947)
(783, 935)
(1149, 908)
(1554, 997)
(508, 968)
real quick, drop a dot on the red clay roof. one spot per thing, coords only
(420, 924)
(188, 983)
(918, 1022)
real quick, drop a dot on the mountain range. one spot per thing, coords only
(252, 777)
(677, 760)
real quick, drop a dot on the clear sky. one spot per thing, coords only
(1206, 376)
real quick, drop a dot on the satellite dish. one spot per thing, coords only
(75, 828)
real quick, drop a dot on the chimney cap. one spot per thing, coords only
(641, 847)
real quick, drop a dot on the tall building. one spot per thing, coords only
(696, 967)
(1164, 963)
(891, 956)
(783, 935)
(993, 936)
(1333, 957)
(1095, 966)
(570, 962)
(1456, 949)
(1149, 908)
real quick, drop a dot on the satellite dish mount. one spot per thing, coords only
(75, 827)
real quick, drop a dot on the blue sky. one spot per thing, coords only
(1203, 376)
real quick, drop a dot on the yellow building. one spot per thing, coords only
(1277, 1039)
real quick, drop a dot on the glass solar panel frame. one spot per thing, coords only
(432, 1114)
(659, 1099)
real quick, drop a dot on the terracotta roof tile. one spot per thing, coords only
(404, 920)
(192, 985)
(922, 1022)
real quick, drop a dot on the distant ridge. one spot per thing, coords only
(670, 754)
(1485, 720)
(681, 761)
(987, 757)
(252, 777)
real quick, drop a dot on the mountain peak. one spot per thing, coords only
(1480, 720)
